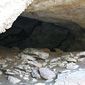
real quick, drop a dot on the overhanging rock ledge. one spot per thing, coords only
(58, 11)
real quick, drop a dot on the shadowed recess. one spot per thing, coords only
(27, 32)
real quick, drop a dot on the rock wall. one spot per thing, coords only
(58, 11)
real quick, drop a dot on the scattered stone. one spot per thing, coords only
(81, 59)
(32, 67)
(0, 83)
(50, 80)
(13, 80)
(9, 72)
(26, 77)
(71, 59)
(34, 80)
(35, 74)
(62, 64)
(40, 84)
(4, 66)
(27, 57)
(54, 60)
(20, 67)
(72, 66)
(47, 60)
(44, 64)
(80, 54)
(9, 59)
(46, 73)
(41, 54)
(3, 63)
(0, 72)
(35, 63)
(71, 78)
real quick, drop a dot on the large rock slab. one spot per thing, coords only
(59, 11)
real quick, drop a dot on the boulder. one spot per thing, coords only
(46, 73)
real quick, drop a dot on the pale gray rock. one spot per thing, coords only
(81, 59)
(80, 54)
(46, 73)
(48, 81)
(26, 77)
(35, 63)
(40, 54)
(13, 80)
(10, 72)
(69, 59)
(55, 60)
(40, 84)
(1, 73)
(71, 78)
(34, 80)
(72, 66)
(27, 57)
(35, 74)
(62, 64)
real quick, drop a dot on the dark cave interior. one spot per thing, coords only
(31, 33)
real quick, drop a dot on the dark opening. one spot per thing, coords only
(31, 33)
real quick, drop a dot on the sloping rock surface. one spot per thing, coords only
(58, 11)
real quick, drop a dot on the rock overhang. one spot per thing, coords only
(56, 11)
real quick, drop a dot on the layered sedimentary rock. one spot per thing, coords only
(10, 10)
(59, 11)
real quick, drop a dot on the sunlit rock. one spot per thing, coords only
(10, 10)
(13, 80)
(72, 66)
(71, 78)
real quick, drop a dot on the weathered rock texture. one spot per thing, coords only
(59, 11)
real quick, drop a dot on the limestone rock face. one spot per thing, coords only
(10, 10)
(60, 11)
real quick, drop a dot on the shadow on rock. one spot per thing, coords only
(32, 33)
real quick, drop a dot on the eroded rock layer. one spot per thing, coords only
(58, 11)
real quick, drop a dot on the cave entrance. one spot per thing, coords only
(32, 45)
(31, 33)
